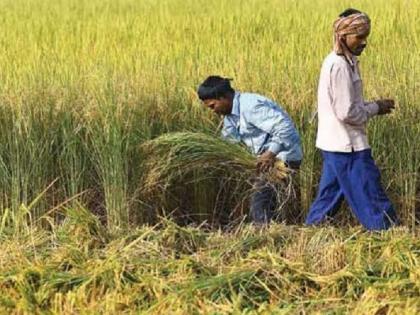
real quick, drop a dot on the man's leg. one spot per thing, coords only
(289, 205)
(329, 195)
(364, 193)
(263, 202)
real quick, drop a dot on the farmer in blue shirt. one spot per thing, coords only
(264, 127)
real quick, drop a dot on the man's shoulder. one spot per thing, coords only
(250, 100)
(333, 60)
(252, 97)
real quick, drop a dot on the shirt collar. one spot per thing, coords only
(236, 104)
(353, 61)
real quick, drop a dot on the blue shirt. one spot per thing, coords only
(262, 125)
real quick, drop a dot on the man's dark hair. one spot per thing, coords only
(215, 87)
(348, 12)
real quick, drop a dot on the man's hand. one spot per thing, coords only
(385, 106)
(266, 161)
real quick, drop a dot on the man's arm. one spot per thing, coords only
(229, 131)
(345, 104)
(268, 117)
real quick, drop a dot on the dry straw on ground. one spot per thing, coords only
(80, 267)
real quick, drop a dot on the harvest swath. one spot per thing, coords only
(83, 84)
(80, 267)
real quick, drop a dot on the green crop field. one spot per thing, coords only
(84, 84)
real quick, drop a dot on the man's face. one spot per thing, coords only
(356, 43)
(220, 106)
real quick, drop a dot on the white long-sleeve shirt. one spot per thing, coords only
(342, 112)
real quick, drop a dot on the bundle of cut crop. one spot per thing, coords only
(173, 155)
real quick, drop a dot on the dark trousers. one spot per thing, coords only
(354, 177)
(265, 200)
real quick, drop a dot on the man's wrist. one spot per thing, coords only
(372, 108)
(274, 148)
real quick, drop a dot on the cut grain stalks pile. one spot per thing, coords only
(187, 159)
(79, 266)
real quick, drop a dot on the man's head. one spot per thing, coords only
(351, 30)
(217, 94)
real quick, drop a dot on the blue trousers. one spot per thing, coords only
(354, 177)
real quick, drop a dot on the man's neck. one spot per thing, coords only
(235, 104)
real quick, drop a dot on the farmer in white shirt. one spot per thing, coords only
(349, 172)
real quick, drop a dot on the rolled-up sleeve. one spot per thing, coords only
(345, 101)
(372, 108)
